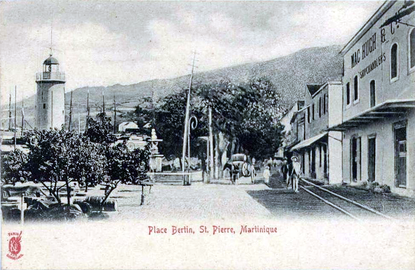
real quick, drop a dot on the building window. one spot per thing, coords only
(44, 106)
(320, 156)
(394, 61)
(326, 103)
(312, 111)
(303, 162)
(412, 49)
(356, 88)
(348, 93)
(319, 107)
(372, 93)
(308, 115)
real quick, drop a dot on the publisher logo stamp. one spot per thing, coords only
(15, 245)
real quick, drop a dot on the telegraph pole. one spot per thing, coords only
(115, 115)
(15, 115)
(211, 163)
(70, 113)
(87, 111)
(103, 102)
(10, 110)
(186, 125)
(79, 123)
(22, 117)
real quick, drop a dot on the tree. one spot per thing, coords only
(49, 159)
(125, 166)
(100, 130)
(169, 123)
(88, 162)
(15, 167)
(245, 117)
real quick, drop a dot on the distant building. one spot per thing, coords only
(136, 142)
(290, 130)
(50, 97)
(128, 127)
(7, 144)
(320, 151)
(379, 100)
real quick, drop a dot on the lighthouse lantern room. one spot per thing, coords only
(50, 99)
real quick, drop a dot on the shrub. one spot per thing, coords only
(385, 188)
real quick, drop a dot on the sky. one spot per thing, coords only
(100, 43)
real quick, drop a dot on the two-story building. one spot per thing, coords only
(379, 100)
(290, 131)
(319, 149)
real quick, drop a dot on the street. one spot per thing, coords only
(126, 238)
(225, 202)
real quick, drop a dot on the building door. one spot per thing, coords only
(325, 164)
(372, 158)
(400, 154)
(313, 162)
(356, 158)
(303, 162)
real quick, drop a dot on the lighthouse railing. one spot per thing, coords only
(53, 76)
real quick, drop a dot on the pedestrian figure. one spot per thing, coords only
(285, 170)
(296, 173)
(269, 162)
(267, 174)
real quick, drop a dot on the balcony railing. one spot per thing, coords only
(50, 76)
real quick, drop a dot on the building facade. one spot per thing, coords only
(319, 149)
(379, 100)
(50, 97)
(290, 131)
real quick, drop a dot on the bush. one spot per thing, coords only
(85, 207)
(64, 212)
(98, 215)
(95, 203)
(385, 188)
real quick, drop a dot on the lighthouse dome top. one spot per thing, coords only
(51, 61)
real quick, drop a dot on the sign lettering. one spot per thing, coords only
(372, 66)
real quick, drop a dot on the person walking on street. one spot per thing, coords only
(267, 174)
(296, 173)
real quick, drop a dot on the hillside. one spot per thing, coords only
(289, 74)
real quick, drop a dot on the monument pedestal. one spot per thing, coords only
(156, 162)
(156, 158)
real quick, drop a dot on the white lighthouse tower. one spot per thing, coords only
(50, 99)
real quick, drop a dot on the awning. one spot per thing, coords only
(384, 110)
(309, 142)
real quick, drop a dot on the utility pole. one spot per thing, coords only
(15, 115)
(22, 117)
(103, 102)
(79, 123)
(10, 111)
(211, 163)
(87, 111)
(115, 115)
(51, 111)
(186, 125)
(153, 115)
(70, 113)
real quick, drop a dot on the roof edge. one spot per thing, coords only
(369, 23)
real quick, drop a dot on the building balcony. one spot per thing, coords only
(50, 76)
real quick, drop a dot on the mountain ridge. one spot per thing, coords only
(289, 74)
